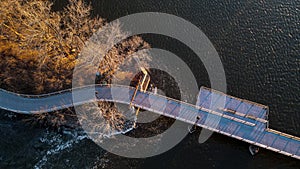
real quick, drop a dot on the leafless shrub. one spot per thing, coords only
(39, 48)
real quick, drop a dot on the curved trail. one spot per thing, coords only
(32, 104)
(254, 131)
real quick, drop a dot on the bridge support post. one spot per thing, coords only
(142, 86)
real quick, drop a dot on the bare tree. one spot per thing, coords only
(39, 48)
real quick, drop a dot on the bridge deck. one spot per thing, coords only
(240, 119)
(246, 121)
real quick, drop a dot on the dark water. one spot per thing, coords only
(259, 44)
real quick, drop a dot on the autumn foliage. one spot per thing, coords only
(39, 47)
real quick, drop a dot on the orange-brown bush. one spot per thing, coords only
(39, 47)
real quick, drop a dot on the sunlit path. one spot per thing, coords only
(237, 118)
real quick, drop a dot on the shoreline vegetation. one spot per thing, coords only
(39, 48)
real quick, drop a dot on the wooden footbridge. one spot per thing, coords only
(215, 111)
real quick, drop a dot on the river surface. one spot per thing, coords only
(259, 45)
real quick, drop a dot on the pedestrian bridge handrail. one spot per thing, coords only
(244, 123)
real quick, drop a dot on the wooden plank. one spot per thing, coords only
(292, 147)
(268, 139)
(280, 143)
